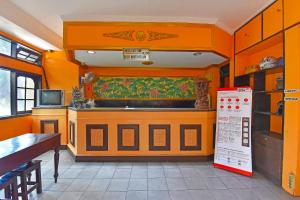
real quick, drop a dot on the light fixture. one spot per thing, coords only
(91, 52)
(197, 53)
(147, 62)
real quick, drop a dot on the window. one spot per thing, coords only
(5, 46)
(5, 91)
(29, 55)
(17, 92)
(25, 94)
(19, 51)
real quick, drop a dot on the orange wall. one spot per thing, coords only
(15, 126)
(61, 73)
(12, 127)
(291, 151)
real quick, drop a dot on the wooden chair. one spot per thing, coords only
(24, 172)
(8, 183)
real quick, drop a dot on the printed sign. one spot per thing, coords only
(233, 130)
(136, 54)
(291, 99)
(291, 91)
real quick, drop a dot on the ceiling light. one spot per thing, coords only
(147, 63)
(197, 53)
(91, 52)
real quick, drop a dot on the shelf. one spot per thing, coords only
(273, 69)
(266, 113)
(270, 134)
(269, 91)
(272, 46)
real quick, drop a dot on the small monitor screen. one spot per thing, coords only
(50, 97)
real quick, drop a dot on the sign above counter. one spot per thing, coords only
(136, 54)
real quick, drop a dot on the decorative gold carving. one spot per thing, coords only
(125, 35)
(160, 36)
(140, 35)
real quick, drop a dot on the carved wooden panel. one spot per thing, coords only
(139, 35)
(96, 137)
(49, 126)
(190, 137)
(159, 137)
(72, 138)
(128, 137)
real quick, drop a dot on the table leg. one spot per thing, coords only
(56, 161)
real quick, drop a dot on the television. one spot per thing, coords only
(50, 98)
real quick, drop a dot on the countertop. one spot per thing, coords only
(131, 109)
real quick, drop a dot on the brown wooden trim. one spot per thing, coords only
(262, 26)
(89, 128)
(44, 122)
(142, 158)
(291, 26)
(15, 116)
(214, 134)
(183, 127)
(63, 147)
(167, 146)
(142, 110)
(136, 145)
(72, 133)
(50, 108)
(17, 59)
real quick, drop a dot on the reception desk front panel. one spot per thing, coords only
(141, 134)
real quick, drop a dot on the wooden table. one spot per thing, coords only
(22, 149)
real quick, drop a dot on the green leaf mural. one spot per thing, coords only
(144, 88)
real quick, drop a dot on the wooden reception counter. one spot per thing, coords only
(141, 134)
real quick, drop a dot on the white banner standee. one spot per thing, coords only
(233, 130)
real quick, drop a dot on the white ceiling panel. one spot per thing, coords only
(228, 14)
(159, 58)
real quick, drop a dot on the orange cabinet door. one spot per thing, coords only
(248, 35)
(272, 19)
(291, 12)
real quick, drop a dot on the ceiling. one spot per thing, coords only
(227, 14)
(174, 59)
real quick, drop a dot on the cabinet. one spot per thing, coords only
(291, 12)
(249, 34)
(272, 19)
(267, 155)
(47, 121)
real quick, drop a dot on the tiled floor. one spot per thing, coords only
(152, 181)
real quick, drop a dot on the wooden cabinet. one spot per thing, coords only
(291, 12)
(267, 156)
(45, 120)
(249, 34)
(272, 19)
